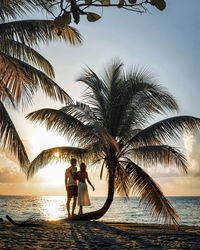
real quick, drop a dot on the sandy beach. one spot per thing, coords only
(66, 234)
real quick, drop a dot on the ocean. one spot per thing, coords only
(21, 208)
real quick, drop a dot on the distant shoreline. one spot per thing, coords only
(64, 234)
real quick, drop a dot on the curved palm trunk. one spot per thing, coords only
(100, 213)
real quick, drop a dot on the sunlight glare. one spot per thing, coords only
(53, 207)
(56, 154)
(54, 174)
(41, 139)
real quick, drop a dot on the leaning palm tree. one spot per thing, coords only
(112, 128)
(22, 69)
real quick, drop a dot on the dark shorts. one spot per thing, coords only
(72, 191)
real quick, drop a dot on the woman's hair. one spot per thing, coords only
(83, 167)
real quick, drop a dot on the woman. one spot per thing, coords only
(83, 197)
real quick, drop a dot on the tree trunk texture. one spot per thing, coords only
(100, 213)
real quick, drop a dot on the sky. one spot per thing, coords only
(167, 43)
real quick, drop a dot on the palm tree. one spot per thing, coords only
(22, 69)
(113, 129)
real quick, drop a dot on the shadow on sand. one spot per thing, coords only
(99, 235)
(67, 234)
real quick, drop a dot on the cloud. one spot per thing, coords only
(10, 171)
(163, 172)
(184, 184)
(192, 152)
(181, 186)
(10, 157)
(192, 146)
(11, 175)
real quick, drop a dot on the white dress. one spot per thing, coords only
(83, 197)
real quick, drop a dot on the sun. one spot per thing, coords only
(56, 154)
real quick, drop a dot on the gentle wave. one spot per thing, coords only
(54, 208)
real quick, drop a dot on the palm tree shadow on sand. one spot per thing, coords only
(66, 234)
(100, 235)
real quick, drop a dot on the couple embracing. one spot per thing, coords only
(74, 191)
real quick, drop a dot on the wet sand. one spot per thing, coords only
(66, 234)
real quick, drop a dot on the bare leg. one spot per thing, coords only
(68, 207)
(80, 210)
(74, 205)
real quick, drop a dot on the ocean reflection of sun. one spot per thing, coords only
(52, 207)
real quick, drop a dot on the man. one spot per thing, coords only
(71, 186)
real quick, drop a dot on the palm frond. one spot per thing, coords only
(26, 54)
(13, 8)
(141, 98)
(74, 129)
(140, 88)
(139, 102)
(31, 32)
(23, 80)
(124, 139)
(96, 94)
(5, 94)
(10, 138)
(167, 129)
(63, 154)
(65, 124)
(159, 154)
(81, 111)
(85, 114)
(112, 77)
(122, 181)
(152, 197)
